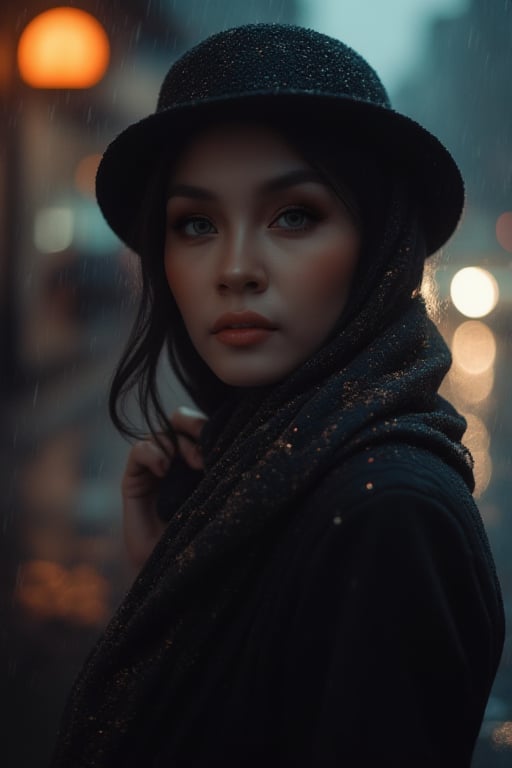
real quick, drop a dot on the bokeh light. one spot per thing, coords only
(63, 48)
(469, 389)
(48, 590)
(477, 435)
(502, 735)
(85, 175)
(474, 291)
(53, 229)
(430, 289)
(504, 230)
(482, 471)
(473, 347)
(477, 439)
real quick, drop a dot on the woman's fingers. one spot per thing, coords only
(150, 459)
(191, 451)
(146, 463)
(186, 420)
(188, 425)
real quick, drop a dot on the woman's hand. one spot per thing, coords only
(146, 465)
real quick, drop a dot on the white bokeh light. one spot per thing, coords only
(474, 347)
(474, 291)
(53, 229)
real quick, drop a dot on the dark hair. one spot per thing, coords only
(357, 176)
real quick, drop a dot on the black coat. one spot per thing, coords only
(307, 606)
(370, 634)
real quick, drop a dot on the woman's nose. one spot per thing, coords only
(241, 267)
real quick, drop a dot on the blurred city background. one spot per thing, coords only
(68, 296)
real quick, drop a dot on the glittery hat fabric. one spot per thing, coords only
(374, 383)
(262, 70)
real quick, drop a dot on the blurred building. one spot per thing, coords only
(66, 302)
(462, 94)
(50, 143)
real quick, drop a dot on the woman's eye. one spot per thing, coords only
(194, 226)
(294, 219)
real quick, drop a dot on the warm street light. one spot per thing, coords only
(63, 48)
(474, 291)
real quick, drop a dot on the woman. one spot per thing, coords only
(316, 587)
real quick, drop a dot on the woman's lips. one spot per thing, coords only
(243, 337)
(246, 318)
(242, 329)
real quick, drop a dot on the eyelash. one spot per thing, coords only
(180, 224)
(311, 216)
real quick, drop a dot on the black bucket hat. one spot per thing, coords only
(301, 74)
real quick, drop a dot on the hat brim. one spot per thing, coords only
(128, 162)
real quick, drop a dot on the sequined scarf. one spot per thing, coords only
(374, 381)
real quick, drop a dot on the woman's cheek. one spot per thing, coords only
(329, 273)
(182, 280)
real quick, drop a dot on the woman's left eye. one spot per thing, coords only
(191, 227)
(294, 219)
(195, 226)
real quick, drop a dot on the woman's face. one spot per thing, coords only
(259, 253)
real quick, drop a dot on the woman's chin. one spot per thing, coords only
(244, 377)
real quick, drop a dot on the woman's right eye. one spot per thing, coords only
(194, 226)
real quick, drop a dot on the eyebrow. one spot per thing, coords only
(285, 180)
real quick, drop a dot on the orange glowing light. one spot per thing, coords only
(504, 230)
(85, 175)
(48, 590)
(63, 48)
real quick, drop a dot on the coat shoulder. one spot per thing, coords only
(404, 495)
(389, 475)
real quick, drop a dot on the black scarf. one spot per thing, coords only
(374, 381)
